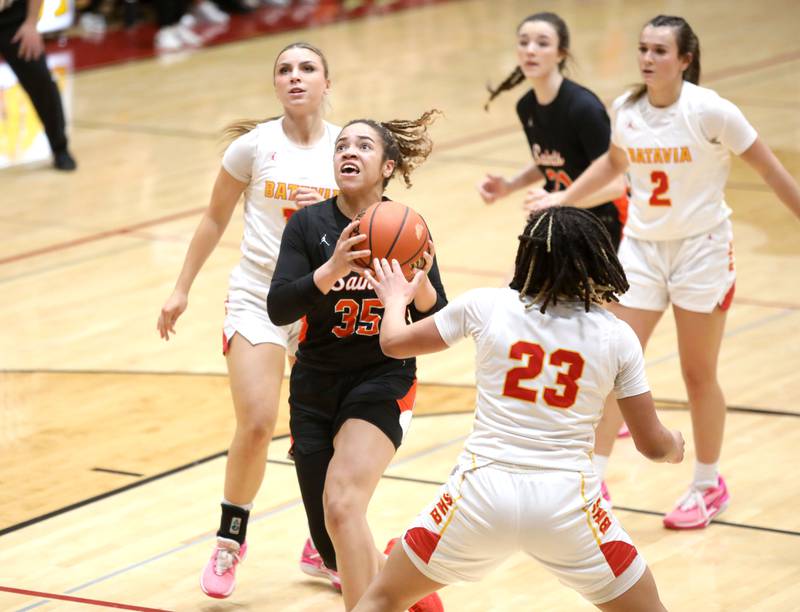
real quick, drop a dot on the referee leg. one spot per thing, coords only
(35, 78)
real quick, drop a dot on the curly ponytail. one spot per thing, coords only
(405, 142)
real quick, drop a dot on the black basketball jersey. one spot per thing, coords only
(341, 329)
(567, 135)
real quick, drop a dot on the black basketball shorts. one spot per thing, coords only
(320, 402)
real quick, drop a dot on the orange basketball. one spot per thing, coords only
(394, 231)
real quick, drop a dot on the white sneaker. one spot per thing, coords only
(92, 23)
(208, 12)
(187, 36)
(167, 39)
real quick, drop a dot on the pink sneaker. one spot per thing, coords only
(219, 576)
(624, 432)
(696, 509)
(429, 603)
(604, 491)
(311, 563)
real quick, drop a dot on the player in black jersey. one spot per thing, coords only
(349, 403)
(566, 124)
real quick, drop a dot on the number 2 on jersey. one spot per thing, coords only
(536, 356)
(660, 181)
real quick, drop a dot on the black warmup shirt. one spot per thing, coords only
(342, 326)
(567, 135)
(13, 13)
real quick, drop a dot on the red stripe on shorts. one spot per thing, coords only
(619, 555)
(407, 401)
(422, 542)
(728, 299)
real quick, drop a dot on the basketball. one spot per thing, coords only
(394, 231)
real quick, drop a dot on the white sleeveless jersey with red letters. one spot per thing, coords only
(274, 166)
(542, 379)
(679, 161)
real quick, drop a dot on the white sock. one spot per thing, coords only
(247, 507)
(706, 475)
(600, 465)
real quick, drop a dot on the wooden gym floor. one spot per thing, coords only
(112, 442)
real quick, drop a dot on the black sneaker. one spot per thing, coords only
(62, 160)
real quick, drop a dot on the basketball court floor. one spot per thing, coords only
(112, 442)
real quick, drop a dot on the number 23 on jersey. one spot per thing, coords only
(534, 357)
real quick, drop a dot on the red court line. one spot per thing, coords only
(188, 213)
(488, 135)
(93, 602)
(767, 62)
(475, 138)
(127, 229)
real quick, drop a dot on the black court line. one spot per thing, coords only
(111, 493)
(438, 483)
(668, 404)
(661, 403)
(120, 472)
(624, 508)
(197, 462)
(714, 522)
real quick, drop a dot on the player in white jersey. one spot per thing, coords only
(547, 356)
(674, 138)
(278, 165)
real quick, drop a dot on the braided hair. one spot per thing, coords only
(405, 142)
(516, 77)
(565, 254)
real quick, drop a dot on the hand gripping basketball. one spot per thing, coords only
(395, 231)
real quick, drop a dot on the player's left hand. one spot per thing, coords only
(305, 196)
(426, 261)
(390, 283)
(539, 199)
(31, 45)
(536, 199)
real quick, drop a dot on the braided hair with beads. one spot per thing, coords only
(566, 255)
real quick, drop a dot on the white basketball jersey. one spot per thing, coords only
(274, 167)
(679, 161)
(542, 379)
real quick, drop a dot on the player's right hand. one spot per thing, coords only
(343, 261)
(172, 309)
(676, 454)
(492, 188)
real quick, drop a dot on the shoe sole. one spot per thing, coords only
(312, 570)
(216, 595)
(687, 526)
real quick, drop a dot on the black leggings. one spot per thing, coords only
(35, 78)
(311, 471)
